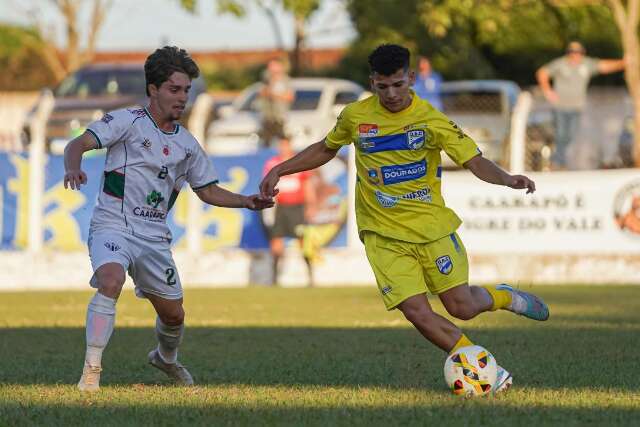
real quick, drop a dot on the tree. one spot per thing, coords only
(627, 19)
(300, 9)
(22, 66)
(73, 55)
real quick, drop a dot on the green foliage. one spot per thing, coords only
(22, 66)
(319, 357)
(470, 39)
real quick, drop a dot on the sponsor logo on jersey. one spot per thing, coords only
(149, 214)
(401, 173)
(416, 139)
(386, 200)
(423, 195)
(106, 118)
(154, 199)
(146, 143)
(444, 264)
(165, 150)
(374, 176)
(386, 290)
(389, 201)
(188, 153)
(112, 246)
(367, 130)
(364, 144)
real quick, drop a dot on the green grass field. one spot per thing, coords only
(320, 357)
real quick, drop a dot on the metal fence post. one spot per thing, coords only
(36, 170)
(518, 134)
(197, 126)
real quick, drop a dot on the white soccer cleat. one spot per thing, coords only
(90, 379)
(504, 380)
(175, 371)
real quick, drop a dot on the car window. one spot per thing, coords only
(305, 99)
(345, 97)
(88, 83)
(473, 102)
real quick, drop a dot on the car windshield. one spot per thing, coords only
(105, 82)
(473, 102)
(304, 100)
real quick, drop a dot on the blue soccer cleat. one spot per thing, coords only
(526, 304)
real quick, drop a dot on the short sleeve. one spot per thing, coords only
(453, 141)
(592, 65)
(554, 66)
(111, 127)
(200, 171)
(341, 133)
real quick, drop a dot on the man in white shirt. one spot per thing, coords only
(149, 158)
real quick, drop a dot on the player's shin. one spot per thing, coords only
(169, 339)
(101, 315)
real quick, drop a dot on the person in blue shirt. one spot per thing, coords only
(428, 83)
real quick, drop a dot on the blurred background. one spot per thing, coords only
(67, 62)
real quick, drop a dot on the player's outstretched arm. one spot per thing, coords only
(73, 175)
(311, 157)
(489, 172)
(218, 196)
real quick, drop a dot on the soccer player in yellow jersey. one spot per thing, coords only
(409, 234)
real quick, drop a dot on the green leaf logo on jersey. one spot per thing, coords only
(154, 199)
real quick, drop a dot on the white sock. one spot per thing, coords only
(101, 316)
(169, 339)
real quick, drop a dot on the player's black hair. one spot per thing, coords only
(386, 59)
(165, 61)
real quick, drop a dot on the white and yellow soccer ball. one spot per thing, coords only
(471, 371)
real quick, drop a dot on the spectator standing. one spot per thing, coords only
(571, 74)
(294, 204)
(428, 83)
(275, 98)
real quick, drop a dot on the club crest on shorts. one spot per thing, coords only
(444, 264)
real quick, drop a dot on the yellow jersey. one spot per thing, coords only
(399, 167)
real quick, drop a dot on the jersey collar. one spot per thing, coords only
(175, 129)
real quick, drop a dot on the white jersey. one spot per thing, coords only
(144, 171)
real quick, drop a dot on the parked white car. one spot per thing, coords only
(316, 105)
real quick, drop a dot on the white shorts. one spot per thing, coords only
(149, 263)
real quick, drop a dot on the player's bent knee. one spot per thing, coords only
(461, 311)
(173, 317)
(110, 282)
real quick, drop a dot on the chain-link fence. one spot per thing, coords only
(604, 133)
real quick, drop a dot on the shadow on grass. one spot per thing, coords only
(456, 414)
(543, 357)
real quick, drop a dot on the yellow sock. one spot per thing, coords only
(501, 297)
(462, 342)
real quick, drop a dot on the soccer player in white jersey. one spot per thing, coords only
(149, 158)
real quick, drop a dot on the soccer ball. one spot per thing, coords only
(471, 371)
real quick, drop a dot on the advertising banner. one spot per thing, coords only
(67, 213)
(570, 213)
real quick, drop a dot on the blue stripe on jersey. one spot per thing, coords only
(456, 245)
(376, 144)
(439, 172)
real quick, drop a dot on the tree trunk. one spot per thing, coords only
(627, 22)
(299, 38)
